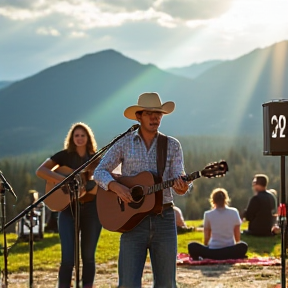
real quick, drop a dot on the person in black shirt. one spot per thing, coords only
(79, 146)
(260, 208)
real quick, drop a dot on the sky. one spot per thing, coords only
(35, 35)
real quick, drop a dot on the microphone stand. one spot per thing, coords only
(283, 222)
(31, 222)
(2, 225)
(31, 239)
(77, 242)
(74, 194)
(69, 179)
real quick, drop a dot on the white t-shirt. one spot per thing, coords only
(221, 221)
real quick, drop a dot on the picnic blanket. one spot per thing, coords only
(185, 259)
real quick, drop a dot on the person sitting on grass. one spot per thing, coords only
(221, 231)
(261, 209)
(180, 223)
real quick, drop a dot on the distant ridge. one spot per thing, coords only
(194, 70)
(4, 84)
(244, 84)
(224, 100)
(95, 88)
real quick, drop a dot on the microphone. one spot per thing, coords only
(7, 185)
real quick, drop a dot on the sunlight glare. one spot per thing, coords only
(279, 59)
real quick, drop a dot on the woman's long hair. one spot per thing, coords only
(219, 198)
(91, 145)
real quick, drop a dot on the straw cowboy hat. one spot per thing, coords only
(149, 101)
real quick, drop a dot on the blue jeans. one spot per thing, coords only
(156, 233)
(90, 231)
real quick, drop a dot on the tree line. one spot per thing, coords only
(243, 155)
(245, 158)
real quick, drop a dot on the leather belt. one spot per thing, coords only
(167, 206)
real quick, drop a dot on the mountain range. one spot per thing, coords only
(4, 84)
(226, 99)
(194, 70)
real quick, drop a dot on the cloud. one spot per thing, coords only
(126, 5)
(194, 9)
(19, 14)
(38, 34)
(48, 31)
(17, 3)
(77, 34)
(87, 14)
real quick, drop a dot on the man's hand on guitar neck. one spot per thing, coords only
(180, 186)
(122, 191)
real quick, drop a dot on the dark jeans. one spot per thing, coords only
(90, 231)
(236, 251)
(156, 233)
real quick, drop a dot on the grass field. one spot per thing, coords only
(47, 251)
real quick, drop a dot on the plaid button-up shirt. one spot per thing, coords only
(131, 152)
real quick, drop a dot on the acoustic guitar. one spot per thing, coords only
(146, 191)
(61, 198)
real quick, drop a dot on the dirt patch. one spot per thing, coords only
(216, 276)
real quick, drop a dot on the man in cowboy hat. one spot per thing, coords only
(137, 152)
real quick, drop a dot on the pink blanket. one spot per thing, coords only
(185, 259)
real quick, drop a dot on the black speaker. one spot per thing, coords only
(275, 126)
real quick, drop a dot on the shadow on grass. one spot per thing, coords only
(20, 247)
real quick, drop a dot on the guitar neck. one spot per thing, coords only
(169, 183)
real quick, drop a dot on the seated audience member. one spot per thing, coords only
(261, 209)
(221, 231)
(180, 223)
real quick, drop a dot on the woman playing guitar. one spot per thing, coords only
(79, 146)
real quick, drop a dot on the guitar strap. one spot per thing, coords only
(162, 145)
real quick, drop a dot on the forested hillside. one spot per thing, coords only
(244, 157)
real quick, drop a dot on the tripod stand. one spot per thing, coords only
(74, 193)
(2, 225)
(31, 239)
(33, 219)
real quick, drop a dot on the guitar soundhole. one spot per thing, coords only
(138, 197)
(137, 193)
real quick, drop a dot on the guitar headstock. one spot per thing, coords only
(215, 169)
